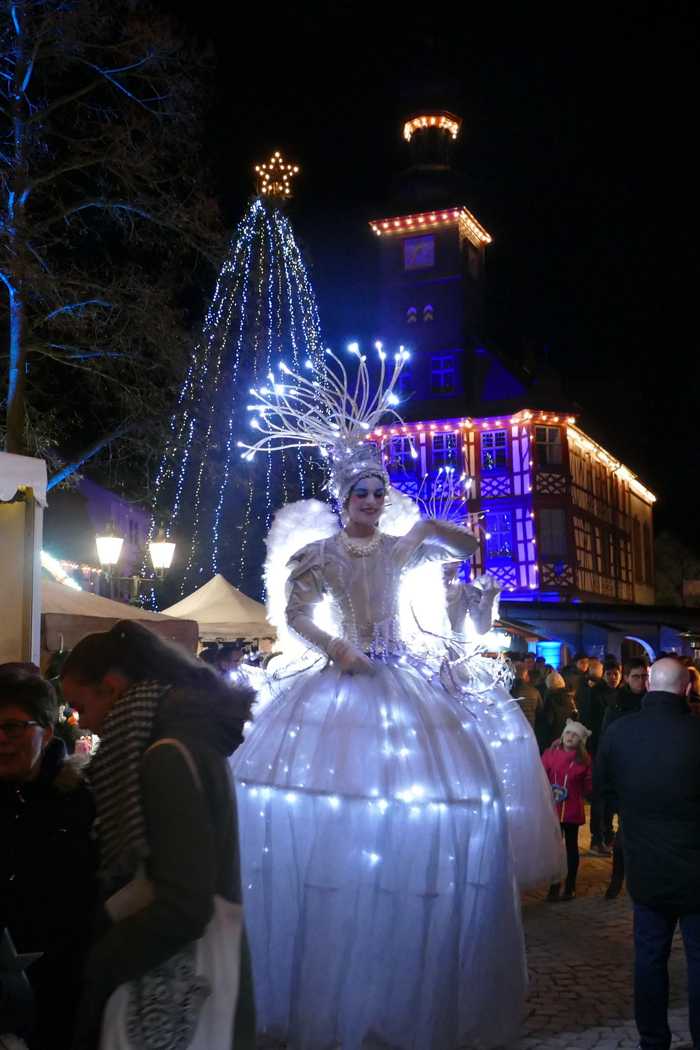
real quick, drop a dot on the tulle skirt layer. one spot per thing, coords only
(538, 852)
(379, 894)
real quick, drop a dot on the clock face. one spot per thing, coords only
(418, 253)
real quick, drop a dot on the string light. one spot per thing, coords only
(263, 306)
(444, 121)
(274, 178)
(468, 225)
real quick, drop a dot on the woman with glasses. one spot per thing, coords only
(48, 859)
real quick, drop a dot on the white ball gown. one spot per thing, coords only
(479, 682)
(379, 890)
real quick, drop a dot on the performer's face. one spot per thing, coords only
(366, 501)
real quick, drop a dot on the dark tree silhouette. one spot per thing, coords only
(102, 218)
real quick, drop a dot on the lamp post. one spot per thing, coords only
(109, 547)
(162, 551)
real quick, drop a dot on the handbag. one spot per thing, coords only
(189, 1001)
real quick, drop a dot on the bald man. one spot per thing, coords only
(650, 762)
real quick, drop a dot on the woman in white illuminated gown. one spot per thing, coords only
(379, 892)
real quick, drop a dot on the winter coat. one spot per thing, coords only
(624, 703)
(573, 676)
(566, 769)
(558, 706)
(593, 697)
(528, 698)
(650, 763)
(48, 885)
(193, 852)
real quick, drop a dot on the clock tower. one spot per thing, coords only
(433, 251)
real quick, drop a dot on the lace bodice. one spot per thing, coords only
(365, 585)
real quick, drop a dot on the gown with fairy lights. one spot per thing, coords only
(379, 890)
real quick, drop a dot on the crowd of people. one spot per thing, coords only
(85, 921)
(148, 895)
(644, 771)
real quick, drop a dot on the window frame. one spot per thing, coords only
(545, 532)
(542, 448)
(501, 554)
(497, 467)
(441, 457)
(441, 356)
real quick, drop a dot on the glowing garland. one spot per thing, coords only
(263, 305)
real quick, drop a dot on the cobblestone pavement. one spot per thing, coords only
(580, 963)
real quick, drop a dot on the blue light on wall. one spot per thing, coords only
(551, 652)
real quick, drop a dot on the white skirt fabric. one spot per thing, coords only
(379, 894)
(538, 852)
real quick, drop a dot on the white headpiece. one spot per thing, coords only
(322, 411)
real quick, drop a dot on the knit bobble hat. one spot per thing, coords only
(578, 728)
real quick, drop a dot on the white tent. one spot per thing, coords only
(68, 615)
(223, 612)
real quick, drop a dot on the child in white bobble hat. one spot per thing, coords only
(568, 766)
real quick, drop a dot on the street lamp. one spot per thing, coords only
(162, 551)
(109, 547)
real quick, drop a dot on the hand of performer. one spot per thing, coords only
(348, 658)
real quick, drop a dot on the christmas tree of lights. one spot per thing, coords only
(263, 309)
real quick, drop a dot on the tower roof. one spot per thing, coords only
(421, 222)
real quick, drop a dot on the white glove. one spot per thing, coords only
(348, 658)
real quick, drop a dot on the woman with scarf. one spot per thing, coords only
(168, 842)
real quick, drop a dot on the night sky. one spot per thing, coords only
(579, 125)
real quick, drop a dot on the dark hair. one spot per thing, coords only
(31, 692)
(580, 655)
(140, 655)
(634, 663)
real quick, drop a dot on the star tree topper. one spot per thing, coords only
(274, 177)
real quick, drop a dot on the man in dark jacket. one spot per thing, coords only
(575, 672)
(627, 701)
(650, 762)
(593, 697)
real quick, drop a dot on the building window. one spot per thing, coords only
(549, 447)
(648, 556)
(551, 533)
(401, 453)
(638, 561)
(419, 253)
(404, 384)
(444, 450)
(443, 373)
(499, 535)
(494, 450)
(473, 261)
(428, 312)
(411, 315)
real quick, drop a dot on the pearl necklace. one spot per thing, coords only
(356, 547)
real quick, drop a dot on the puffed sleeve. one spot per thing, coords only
(431, 540)
(305, 590)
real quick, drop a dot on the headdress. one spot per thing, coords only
(326, 410)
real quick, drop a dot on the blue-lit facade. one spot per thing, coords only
(559, 518)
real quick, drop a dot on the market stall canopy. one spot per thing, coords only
(68, 615)
(223, 612)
